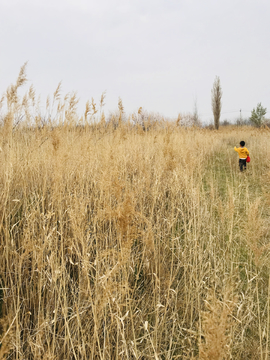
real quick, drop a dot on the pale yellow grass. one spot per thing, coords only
(119, 243)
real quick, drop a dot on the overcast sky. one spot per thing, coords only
(161, 55)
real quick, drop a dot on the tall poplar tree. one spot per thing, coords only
(216, 101)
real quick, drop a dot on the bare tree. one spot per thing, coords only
(216, 101)
(195, 116)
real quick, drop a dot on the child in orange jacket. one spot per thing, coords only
(243, 154)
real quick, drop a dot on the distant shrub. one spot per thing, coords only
(225, 123)
(243, 122)
(267, 122)
(210, 127)
(188, 120)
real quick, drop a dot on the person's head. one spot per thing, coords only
(242, 143)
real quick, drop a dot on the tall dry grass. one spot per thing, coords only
(119, 243)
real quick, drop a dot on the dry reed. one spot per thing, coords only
(113, 238)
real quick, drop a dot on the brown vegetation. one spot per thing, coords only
(120, 243)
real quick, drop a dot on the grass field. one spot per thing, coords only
(133, 244)
(119, 243)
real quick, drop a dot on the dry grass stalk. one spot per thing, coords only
(111, 228)
(7, 334)
(216, 325)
